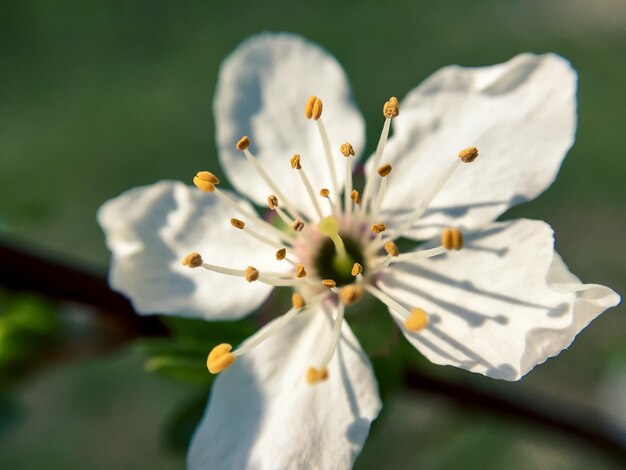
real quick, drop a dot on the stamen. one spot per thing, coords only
(356, 269)
(295, 164)
(332, 345)
(466, 156)
(421, 254)
(300, 271)
(391, 248)
(347, 151)
(379, 151)
(314, 375)
(383, 171)
(297, 225)
(193, 260)
(272, 201)
(240, 224)
(204, 182)
(281, 254)
(356, 198)
(329, 283)
(251, 274)
(266, 177)
(391, 109)
(220, 358)
(397, 310)
(378, 228)
(417, 321)
(208, 177)
(243, 143)
(452, 239)
(271, 329)
(325, 193)
(350, 294)
(313, 108)
(297, 300)
(254, 218)
(392, 252)
(278, 281)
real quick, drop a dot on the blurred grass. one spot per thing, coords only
(99, 97)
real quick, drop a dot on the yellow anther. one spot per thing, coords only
(391, 248)
(391, 109)
(324, 192)
(300, 271)
(346, 150)
(203, 185)
(240, 224)
(452, 239)
(297, 301)
(297, 225)
(220, 358)
(252, 274)
(378, 228)
(313, 108)
(355, 196)
(356, 269)
(350, 294)
(243, 143)
(384, 170)
(272, 202)
(417, 321)
(314, 375)
(208, 177)
(329, 283)
(193, 260)
(280, 254)
(469, 154)
(295, 162)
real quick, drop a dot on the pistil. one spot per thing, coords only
(342, 261)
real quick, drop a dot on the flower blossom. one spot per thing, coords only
(489, 297)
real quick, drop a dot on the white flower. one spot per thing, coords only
(502, 304)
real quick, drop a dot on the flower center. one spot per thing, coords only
(330, 265)
(335, 258)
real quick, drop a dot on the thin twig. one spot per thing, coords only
(534, 410)
(23, 271)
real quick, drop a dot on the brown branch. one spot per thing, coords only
(536, 411)
(22, 271)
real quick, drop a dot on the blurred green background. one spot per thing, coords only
(98, 97)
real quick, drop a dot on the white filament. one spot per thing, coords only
(395, 308)
(334, 339)
(329, 156)
(376, 163)
(268, 180)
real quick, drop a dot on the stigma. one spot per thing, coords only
(334, 256)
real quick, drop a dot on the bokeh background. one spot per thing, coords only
(98, 97)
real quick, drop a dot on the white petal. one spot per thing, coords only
(261, 92)
(500, 306)
(262, 413)
(151, 228)
(521, 115)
